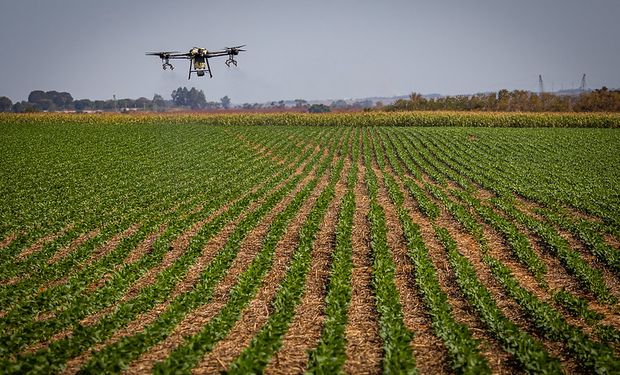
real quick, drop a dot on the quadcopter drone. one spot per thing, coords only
(198, 58)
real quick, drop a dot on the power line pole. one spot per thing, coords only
(541, 87)
(582, 88)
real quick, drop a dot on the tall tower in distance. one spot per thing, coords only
(541, 87)
(582, 88)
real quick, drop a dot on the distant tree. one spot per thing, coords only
(125, 103)
(18, 107)
(62, 100)
(339, 104)
(83, 104)
(24, 107)
(46, 105)
(362, 104)
(503, 100)
(36, 96)
(300, 103)
(225, 102)
(318, 108)
(417, 100)
(196, 99)
(179, 96)
(142, 103)
(51, 100)
(6, 105)
(193, 98)
(159, 104)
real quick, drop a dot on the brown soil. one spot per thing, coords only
(469, 247)
(180, 243)
(177, 248)
(429, 351)
(139, 251)
(198, 318)
(499, 360)
(12, 280)
(98, 253)
(508, 306)
(57, 256)
(612, 241)
(260, 149)
(363, 347)
(305, 329)
(575, 243)
(74, 245)
(44, 344)
(463, 313)
(38, 245)
(558, 277)
(256, 314)
(111, 244)
(611, 280)
(7, 240)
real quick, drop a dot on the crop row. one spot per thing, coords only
(147, 297)
(459, 261)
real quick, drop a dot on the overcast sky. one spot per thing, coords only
(308, 49)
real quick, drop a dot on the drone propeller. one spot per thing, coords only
(161, 54)
(165, 57)
(235, 49)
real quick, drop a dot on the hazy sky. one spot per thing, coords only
(308, 49)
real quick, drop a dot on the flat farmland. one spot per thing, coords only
(286, 243)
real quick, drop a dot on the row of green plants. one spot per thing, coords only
(52, 297)
(130, 347)
(257, 355)
(329, 355)
(397, 352)
(531, 355)
(463, 348)
(593, 355)
(41, 272)
(147, 297)
(590, 278)
(556, 167)
(114, 290)
(438, 169)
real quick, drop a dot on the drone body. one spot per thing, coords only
(198, 58)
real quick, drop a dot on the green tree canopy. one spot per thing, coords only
(6, 105)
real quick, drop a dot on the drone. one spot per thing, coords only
(198, 58)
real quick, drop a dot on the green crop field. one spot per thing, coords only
(288, 243)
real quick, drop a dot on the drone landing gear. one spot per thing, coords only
(166, 63)
(230, 60)
(201, 65)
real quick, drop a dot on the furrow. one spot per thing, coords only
(194, 321)
(305, 329)
(363, 345)
(264, 307)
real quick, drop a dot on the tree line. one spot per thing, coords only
(600, 100)
(51, 101)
